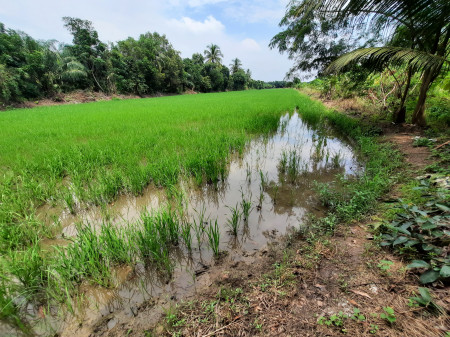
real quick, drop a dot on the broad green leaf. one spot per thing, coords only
(429, 276)
(411, 243)
(429, 225)
(443, 208)
(445, 271)
(425, 293)
(400, 240)
(418, 264)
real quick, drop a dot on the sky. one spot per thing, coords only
(242, 29)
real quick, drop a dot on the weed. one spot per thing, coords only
(425, 300)
(388, 315)
(385, 265)
(373, 328)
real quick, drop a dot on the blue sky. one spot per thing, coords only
(242, 29)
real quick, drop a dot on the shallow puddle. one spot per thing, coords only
(277, 173)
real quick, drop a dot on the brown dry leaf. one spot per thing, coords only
(353, 303)
(360, 293)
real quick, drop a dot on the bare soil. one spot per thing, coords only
(81, 96)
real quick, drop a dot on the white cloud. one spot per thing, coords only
(199, 3)
(209, 25)
(250, 45)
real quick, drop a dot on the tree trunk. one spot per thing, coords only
(400, 113)
(419, 111)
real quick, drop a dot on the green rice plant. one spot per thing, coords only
(233, 222)
(186, 234)
(83, 259)
(9, 311)
(293, 168)
(260, 198)
(275, 194)
(116, 244)
(70, 201)
(249, 173)
(29, 268)
(246, 206)
(199, 225)
(264, 179)
(336, 160)
(283, 163)
(213, 233)
(153, 242)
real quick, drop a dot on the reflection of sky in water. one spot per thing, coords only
(284, 204)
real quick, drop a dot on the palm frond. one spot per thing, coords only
(421, 16)
(382, 56)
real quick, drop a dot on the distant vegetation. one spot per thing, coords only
(32, 69)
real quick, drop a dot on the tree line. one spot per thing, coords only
(31, 69)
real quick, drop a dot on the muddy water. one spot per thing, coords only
(279, 201)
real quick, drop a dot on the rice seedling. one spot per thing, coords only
(264, 179)
(213, 234)
(186, 235)
(85, 258)
(246, 205)
(336, 160)
(70, 201)
(116, 244)
(233, 222)
(199, 225)
(275, 194)
(293, 168)
(260, 199)
(282, 166)
(249, 173)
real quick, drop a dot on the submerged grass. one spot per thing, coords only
(356, 197)
(90, 153)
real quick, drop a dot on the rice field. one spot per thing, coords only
(74, 158)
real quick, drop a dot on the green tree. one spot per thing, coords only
(426, 22)
(213, 54)
(235, 65)
(89, 51)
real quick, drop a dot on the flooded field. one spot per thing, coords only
(267, 190)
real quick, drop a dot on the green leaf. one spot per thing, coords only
(429, 225)
(400, 240)
(445, 271)
(424, 292)
(418, 264)
(443, 208)
(429, 276)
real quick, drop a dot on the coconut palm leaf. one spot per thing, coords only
(422, 16)
(213, 54)
(382, 56)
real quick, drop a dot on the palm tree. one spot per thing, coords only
(426, 21)
(213, 54)
(235, 65)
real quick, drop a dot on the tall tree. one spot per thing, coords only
(235, 65)
(88, 50)
(213, 54)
